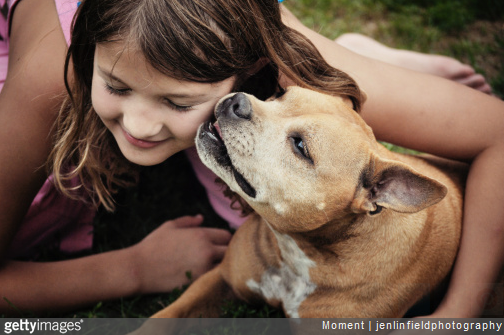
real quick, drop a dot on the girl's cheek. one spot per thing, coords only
(103, 104)
(189, 128)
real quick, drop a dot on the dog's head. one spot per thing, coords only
(303, 158)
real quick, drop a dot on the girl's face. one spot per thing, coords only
(152, 116)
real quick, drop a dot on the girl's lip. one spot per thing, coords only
(140, 143)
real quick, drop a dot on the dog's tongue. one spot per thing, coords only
(217, 128)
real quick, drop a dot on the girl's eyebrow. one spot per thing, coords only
(181, 96)
(110, 75)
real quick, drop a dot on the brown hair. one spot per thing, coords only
(195, 40)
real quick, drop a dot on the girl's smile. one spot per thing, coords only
(151, 115)
(141, 143)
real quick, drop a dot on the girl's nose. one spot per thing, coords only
(141, 123)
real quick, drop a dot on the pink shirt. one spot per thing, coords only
(5, 6)
(219, 202)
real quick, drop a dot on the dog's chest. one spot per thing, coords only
(290, 283)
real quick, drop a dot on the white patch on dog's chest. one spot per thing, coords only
(291, 282)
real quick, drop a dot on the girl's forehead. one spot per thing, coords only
(114, 51)
(127, 63)
(124, 60)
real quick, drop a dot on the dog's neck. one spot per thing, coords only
(325, 238)
(356, 239)
(293, 256)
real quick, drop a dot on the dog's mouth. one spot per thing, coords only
(211, 136)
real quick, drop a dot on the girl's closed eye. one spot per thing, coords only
(116, 91)
(179, 108)
(123, 91)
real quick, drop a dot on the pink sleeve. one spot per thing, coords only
(66, 10)
(220, 203)
(53, 220)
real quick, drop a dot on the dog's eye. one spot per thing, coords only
(376, 211)
(300, 147)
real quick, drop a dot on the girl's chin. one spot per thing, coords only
(144, 159)
(150, 156)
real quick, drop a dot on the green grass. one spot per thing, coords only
(469, 30)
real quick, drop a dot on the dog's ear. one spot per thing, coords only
(396, 186)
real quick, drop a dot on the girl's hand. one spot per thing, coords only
(163, 258)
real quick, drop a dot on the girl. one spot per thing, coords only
(29, 101)
(143, 82)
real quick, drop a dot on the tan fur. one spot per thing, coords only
(313, 247)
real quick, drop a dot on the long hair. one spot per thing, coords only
(197, 40)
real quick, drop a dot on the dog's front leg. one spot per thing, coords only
(203, 298)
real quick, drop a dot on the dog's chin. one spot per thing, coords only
(213, 153)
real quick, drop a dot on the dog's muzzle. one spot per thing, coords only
(210, 138)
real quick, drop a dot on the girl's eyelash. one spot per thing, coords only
(124, 91)
(116, 91)
(178, 107)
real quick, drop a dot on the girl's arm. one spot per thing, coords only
(437, 116)
(61, 286)
(29, 103)
(159, 263)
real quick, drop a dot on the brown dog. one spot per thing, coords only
(343, 227)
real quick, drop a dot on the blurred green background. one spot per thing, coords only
(469, 30)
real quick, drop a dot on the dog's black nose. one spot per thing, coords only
(237, 106)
